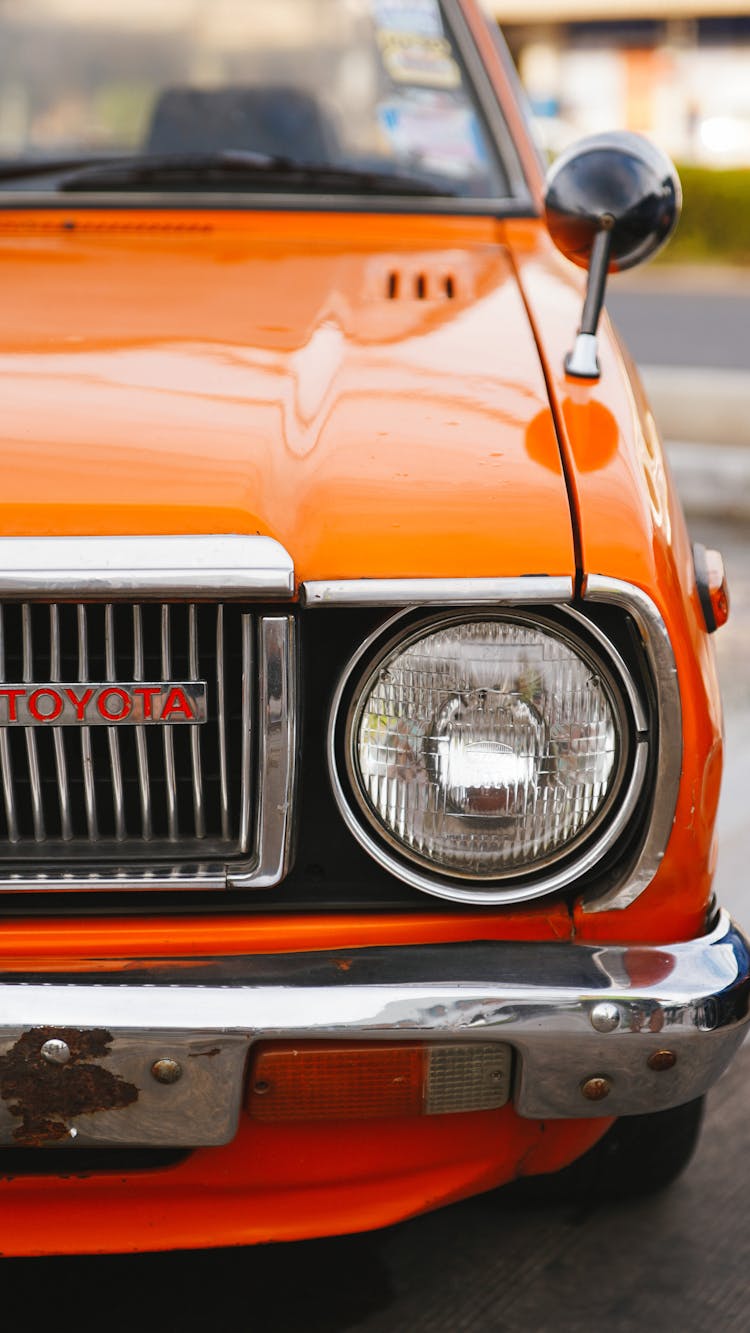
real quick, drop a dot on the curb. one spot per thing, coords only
(713, 480)
(696, 405)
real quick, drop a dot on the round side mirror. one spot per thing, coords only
(617, 182)
(612, 201)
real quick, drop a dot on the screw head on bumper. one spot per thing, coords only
(649, 1027)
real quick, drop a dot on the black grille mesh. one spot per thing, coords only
(155, 791)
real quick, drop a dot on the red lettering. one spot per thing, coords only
(11, 696)
(177, 703)
(147, 693)
(80, 703)
(101, 704)
(35, 710)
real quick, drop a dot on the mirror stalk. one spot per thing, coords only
(582, 362)
(612, 201)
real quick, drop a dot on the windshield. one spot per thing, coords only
(364, 85)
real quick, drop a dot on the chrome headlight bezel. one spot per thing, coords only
(515, 884)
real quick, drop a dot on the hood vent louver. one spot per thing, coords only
(420, 286)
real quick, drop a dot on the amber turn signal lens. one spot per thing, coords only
(711, 582)
(371, 1080)
(718, 589)
(342, 1082)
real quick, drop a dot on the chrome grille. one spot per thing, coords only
(135, 793)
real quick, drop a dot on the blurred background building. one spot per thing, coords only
(678, 70)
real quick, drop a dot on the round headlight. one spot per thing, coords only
(486, 749)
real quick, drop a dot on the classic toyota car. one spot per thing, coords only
(360, 743)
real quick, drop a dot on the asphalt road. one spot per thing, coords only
(678, 317)
(680, 1260)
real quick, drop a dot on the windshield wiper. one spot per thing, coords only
(233, 167)
(21, 169)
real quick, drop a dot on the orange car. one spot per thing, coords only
(360, 742)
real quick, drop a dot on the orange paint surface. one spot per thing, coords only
(252, 374)
(372, 391)
(103, 942)
(287, 1182)
(631, 528)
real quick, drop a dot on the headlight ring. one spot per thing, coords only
(486, 757)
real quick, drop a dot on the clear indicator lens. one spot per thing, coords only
(485, 747)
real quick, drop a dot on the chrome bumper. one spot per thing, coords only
(572, 1013)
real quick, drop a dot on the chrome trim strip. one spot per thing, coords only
(277, 740)
(139, 877)
(435, 592)
(268, 820)
(144, 783)
(169, 768)
(698, 1011)
(247, 731)
(513, 888)
(222, 724)
(658, 648)
(195, 739)
(86, 752)
(63, 789)
(113, 740)
(191, 200)
(119, 568)
(35, 784)
(6, 761)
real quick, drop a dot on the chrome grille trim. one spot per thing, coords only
(195, 745)
(150, 788)
(277, 735)
(31, 750)
(200, 567)
(86, 751)
(113, 740)
(166, 668)
(140, 733)
(6, 762)
(222, 722)
(247, 703)
(57, 740)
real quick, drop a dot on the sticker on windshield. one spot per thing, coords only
(419, 61)
(443, 139)
(420, 18)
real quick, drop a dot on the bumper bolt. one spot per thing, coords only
(605, 1017)
(166, 1071)
(55, 1051)
(596, 1089)
(661, 1060)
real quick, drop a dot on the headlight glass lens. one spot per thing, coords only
(485, 747)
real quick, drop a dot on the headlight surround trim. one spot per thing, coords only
(523, 882)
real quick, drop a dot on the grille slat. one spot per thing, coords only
(247, 672)
(113, 738)
(35, 782)
(144, 785)
(87, 757)
(6, 763)
(86, 798)
(169, 765)
(222, 722)
(63, 788)
(195, 740)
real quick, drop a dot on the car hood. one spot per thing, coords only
(365, 390)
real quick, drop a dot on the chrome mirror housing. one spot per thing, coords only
(612, 201)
